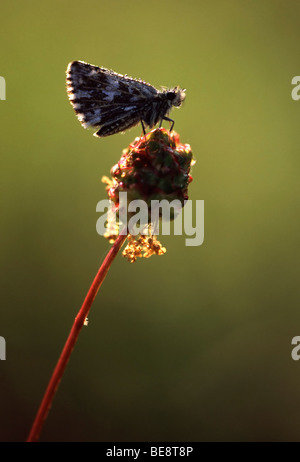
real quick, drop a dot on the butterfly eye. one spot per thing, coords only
(171, 95)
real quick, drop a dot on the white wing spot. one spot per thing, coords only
(80, 94)
(134, 98)
(93, 72)
(109, 95)
(112, 83)
(80, 117)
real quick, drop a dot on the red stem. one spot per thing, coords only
(71, 340)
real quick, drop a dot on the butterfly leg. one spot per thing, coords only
(169, 120)
(143, 127)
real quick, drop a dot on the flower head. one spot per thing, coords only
(154, 167)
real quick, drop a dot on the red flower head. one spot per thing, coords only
(154, 167)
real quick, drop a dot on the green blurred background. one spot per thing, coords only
(194, 345)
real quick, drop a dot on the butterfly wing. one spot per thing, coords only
(103, 98)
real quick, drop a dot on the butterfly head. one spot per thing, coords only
(176, 96)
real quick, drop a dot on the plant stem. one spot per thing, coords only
(71, 340)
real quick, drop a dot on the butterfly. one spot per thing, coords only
(113, 102)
